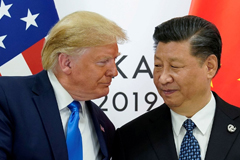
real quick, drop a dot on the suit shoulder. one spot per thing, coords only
(229, 109)
(12, 81)
(23, 82)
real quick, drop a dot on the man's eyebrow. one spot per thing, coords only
(118, 55)
(173, 59)
(110, 57)
(156, 57)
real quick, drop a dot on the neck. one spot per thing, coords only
(190, 109)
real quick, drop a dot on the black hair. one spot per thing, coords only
(203, 35)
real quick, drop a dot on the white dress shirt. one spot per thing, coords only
(90, 142)
(203, 120)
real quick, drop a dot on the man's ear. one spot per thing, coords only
(212, 65)
(64, 62)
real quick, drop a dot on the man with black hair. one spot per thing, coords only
(194, 123)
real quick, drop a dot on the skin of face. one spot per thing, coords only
(181, 80)
(88, 76)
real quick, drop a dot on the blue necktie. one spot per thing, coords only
(190, 149)
(74, 138)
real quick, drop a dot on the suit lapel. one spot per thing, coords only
(47, 106)
(221, 139)
(161, 135)
(99, 128)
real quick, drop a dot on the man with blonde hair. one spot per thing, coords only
(50, 115)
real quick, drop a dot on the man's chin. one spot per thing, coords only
(170, 104)
(104, 92)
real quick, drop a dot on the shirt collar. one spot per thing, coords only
(202, 118)
(62, 96)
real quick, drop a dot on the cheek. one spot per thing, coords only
(156, 76)
(190, 82)
(96, 75)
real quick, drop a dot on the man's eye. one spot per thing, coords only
(158, 65)
(103, 62)
(174, 66)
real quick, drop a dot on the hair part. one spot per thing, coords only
(78, 31)
(203, 36)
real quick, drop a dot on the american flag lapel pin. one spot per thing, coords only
(102, 129)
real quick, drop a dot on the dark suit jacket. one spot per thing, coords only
(150, 136)
(30, 123)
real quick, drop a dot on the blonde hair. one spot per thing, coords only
(77, 31)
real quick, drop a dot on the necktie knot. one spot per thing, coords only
(189, 125)
(74, 106)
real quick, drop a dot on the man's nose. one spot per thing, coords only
(165, 77)
(112, 71)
